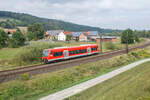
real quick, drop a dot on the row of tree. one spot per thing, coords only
(17, 39)
(35, 32)
(143, 33)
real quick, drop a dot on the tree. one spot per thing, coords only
(35, 31)
(127, 34)
(3, 39)
(68, 37)
(17, 39)
(136, 36)
(29, 36)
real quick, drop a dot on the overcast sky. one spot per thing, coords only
(115, 14)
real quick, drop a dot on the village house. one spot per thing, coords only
(23, 30)
(79, 36)
(68, 33)
(92, 35)
(53, 34)
(10, 31)
(75, 35)
(83, 37)
(107, 39)
(61, 36)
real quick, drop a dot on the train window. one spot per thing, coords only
(80, 51)
(84, 50)
(56, 54)
(45, 53)
(51, 52)
(94, 49)
(70, 52)
(77, 51)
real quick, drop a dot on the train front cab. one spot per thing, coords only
(45, 56)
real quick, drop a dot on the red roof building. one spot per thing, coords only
(67, 33)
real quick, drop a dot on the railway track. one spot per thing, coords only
(13, 74)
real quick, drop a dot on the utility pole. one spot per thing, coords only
(101, 43)
(127, 50)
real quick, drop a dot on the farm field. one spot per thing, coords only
(130, 85)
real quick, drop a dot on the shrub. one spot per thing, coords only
(32, 54)
(77, 68)
(17, 40)
(13, 90)
(24, 76)
(140, 54)
(134, 54)
(111, 46)
(3, 39)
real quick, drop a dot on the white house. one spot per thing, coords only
(61, 36)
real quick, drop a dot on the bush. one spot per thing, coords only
(24, 76)
(134, 54)
(13, 90)
(3, 39)
(32, 54)
(140, 54)
(111, 46)
(17, 40)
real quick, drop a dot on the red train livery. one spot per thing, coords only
(69, 52)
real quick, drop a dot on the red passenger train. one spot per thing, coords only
(69, 52)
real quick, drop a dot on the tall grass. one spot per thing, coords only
(111, 46)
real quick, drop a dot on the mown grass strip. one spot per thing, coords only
(130, 85)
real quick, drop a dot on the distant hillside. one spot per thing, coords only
(12, 20)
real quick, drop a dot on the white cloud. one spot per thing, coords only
(101, 13)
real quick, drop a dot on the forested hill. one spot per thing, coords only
(12, 20)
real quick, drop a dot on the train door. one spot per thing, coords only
(65, 54)
(89, 50)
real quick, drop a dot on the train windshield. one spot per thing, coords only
(45, 53)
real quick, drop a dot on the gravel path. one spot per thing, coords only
(85, 85)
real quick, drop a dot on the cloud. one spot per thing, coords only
(118, 14)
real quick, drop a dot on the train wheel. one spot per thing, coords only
(45, 61)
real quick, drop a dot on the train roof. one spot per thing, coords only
(72, 46)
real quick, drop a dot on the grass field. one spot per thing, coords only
(33, 88)
(11, 57)
(8, 53)
(131, 85)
